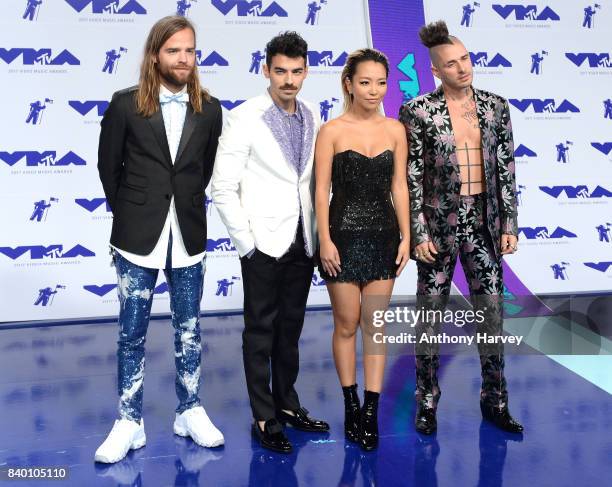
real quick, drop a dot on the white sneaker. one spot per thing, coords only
(195, 423)
(126, 435)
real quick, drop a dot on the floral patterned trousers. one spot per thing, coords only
(483, 271)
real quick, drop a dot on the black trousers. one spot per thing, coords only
(275, 295)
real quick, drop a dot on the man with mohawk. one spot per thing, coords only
(462, 200)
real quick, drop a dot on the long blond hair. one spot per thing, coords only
(350, 68)
(147, 96)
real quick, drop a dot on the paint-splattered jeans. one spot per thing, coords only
(135, 288)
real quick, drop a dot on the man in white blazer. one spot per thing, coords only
(262, 186)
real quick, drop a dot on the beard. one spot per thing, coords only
(177, 79)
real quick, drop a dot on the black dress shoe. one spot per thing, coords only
(368, 434)
(272, 436)
(425, 420)
(501, 418)
(301, 421)
(352, 413)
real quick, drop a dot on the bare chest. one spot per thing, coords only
(464, 120)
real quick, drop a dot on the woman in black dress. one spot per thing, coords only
(364, 231)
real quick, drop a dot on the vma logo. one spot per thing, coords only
(41, 57)
(548, 105)
(41, 209)
(607, 108)
(35, 114)
(573, 192)
(524, 151)
(589, 13)
(46, 158)
(111, 64)
(255, 8)
(603, 147)
(595, 60)
(31, 10)
(603, 232)
(113, 7)
(326, 107)
(93, 204)
(47, 294)
(219, 245)
(104, 289)
(84, 107)
(225, 286)
(560, 271)
(537, 58)
(256, 58)
(182, 7)
(526, 12)
(533, 233)
(230, 105)
(411, 87)
(326, 58)
(599, 266)
(312, 17)
(467, 16)
(482, 60)
(213, 59)
(563, 151)
(38, 252)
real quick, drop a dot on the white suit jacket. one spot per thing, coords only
(255, 188)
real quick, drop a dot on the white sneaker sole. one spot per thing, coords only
(136, 444)
(181, 431)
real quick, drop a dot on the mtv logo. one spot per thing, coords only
(253, 8)
(93, 204)
(532, 233)
(44, 56)
(548, 105)
(230, 105)
(84, 107)
(525, 12)
(52, 251)
(573, 192)
(481, 59)
(599, 266)
(326, 58)
(123, 7)
(524, 151)
(102, 290)
(213, 59)
(604, 147)
(219, 245)
(595, 60)
(46, 158)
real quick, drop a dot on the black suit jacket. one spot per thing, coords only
(139, 178)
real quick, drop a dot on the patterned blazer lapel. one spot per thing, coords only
(486, 120)
(449, 146)
(308, 140)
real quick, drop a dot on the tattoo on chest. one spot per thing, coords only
(468, 112)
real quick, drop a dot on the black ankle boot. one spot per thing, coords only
(368, 434)
(352, 413)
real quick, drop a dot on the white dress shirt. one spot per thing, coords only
(174, 118)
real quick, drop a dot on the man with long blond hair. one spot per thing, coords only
(155, 158)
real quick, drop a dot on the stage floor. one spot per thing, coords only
(58, 396)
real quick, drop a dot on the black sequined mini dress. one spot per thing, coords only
(362, 221)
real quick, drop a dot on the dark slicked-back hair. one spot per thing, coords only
(288, 44)
(436, 34)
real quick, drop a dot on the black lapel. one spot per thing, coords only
(157, 124)
(191, 121)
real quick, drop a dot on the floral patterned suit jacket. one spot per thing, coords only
(434, 180)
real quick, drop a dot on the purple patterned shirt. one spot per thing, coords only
(293, 129)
